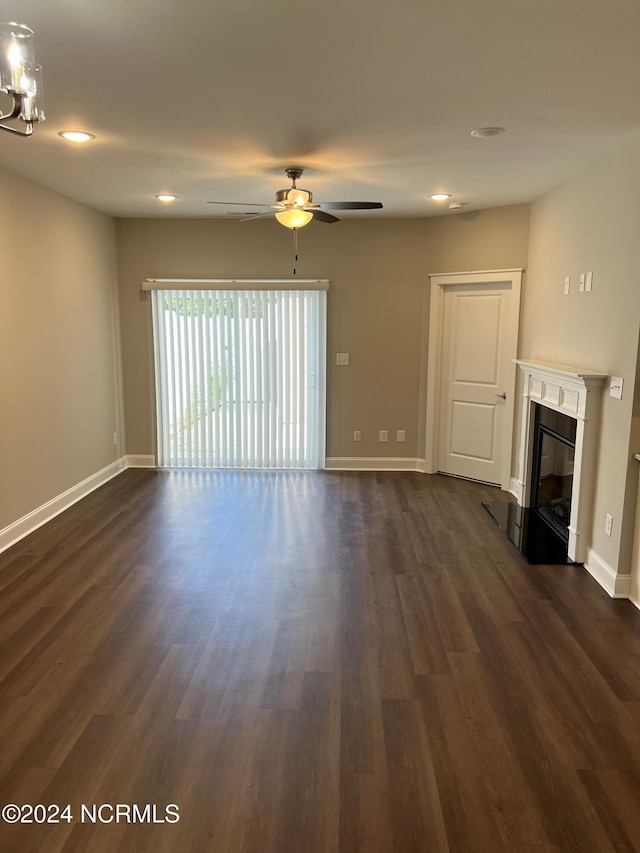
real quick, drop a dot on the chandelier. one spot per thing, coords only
(20, 78)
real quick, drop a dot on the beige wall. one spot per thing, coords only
(58, 345)
(591, 223)
(377, 304)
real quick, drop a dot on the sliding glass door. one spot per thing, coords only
(240, 378)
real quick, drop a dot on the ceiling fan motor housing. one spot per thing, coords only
(294, 196)
(293, 173)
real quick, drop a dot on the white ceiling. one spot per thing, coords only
(212, 99)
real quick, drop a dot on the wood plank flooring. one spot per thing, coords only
(312, 662)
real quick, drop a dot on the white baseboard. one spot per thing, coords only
(618, 586)
(37, 517)
(139, 461)
(374, 463)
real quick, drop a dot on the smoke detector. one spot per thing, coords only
(456, 206)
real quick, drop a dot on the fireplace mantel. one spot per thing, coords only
(576, 393)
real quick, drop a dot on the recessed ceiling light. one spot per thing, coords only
(440, 196)
(76, 135)
(166, 197)
(485, 132)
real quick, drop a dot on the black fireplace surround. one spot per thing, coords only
(540, 531)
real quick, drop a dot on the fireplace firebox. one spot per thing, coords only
(553, 459)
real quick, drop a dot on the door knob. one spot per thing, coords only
(502, 396)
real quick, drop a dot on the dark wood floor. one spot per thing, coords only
(312, 662)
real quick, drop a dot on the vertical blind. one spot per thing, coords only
(240, 377)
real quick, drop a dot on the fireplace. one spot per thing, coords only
(550, 523)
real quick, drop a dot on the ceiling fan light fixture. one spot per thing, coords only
(298, 197)
(294, 217)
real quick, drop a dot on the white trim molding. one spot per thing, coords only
(235, 284)
(41, 515)
(140, 461)
(515, 489)
(618, 586)
(374, 463)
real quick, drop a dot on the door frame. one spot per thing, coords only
(438, 284)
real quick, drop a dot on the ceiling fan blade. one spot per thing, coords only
(240, 203)
(350, 205)
(321, 216)
(259, 215)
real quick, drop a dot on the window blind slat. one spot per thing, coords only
(225, 368)
(288, 366)
(202, 396)
(282, 400)
(218, 384)
(179, 422)
(299, 370)
(273, 388)
(173, 368)
(209, 386)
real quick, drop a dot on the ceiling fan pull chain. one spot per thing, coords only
(295, 249)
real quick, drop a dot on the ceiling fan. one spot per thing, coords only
(294, 207)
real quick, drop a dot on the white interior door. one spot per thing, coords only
(474, 374)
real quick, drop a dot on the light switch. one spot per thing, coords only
(615, 388)
(589, 282)
(581, 282)
(342, 358)
(567, 285)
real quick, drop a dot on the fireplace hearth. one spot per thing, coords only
(536, 540)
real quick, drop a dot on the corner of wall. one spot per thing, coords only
(617, 585)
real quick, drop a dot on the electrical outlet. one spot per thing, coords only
(401, 435)
(608, 524)
(357, 435)
(342, 359)
(567, 285)
(384, 435)
(115, 439)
